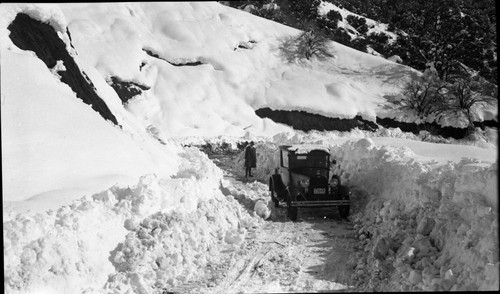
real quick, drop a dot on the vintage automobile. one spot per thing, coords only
(302, 179)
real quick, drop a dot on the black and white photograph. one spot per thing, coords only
(275, 146)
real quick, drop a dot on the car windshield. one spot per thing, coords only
(309, 161)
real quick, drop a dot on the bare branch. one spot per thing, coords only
(306, 45)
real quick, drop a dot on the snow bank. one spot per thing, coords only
(383, 170)
(431, 227)
(427, 226)
(167, 230)
(168, 249)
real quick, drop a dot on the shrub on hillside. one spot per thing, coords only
(379, 42)
(326, 24)
(360, 44)
(334, 15)
(468, 93)
(359, 23)
(269, 11)
(379, 38)
(432, 97)
(301, 12)
(425, 96)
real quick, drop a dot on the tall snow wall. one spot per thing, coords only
(443, 216)
(432, 226)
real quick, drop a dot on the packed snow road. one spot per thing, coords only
(310, 255)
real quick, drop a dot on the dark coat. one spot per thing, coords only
(250, 157)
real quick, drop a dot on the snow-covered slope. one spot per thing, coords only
(231, 82)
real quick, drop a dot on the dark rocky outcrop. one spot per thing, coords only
(433, 128)
(30, 34)
(188, 63)
(126, 90)
(152, 54)
(245, 45)
(304, 121)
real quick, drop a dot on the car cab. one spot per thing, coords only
(302, 179)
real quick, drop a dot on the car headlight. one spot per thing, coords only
(334, 182)
(304, 183)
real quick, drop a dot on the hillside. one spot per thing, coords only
(445, 33)
(149, 54)
(436, 39)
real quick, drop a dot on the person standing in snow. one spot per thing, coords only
(250, 159)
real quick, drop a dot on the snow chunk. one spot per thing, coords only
(395, 58)
(425, 226)
(262, 209)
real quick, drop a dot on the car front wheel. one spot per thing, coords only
(344, 209)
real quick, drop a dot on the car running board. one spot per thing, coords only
(320, 203)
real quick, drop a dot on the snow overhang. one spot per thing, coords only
(307, 148)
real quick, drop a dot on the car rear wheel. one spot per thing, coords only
(292, 212)
(273, 198)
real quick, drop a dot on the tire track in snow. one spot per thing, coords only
(242, 275)
(306, 256)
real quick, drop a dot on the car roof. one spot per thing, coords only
(305, 148)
